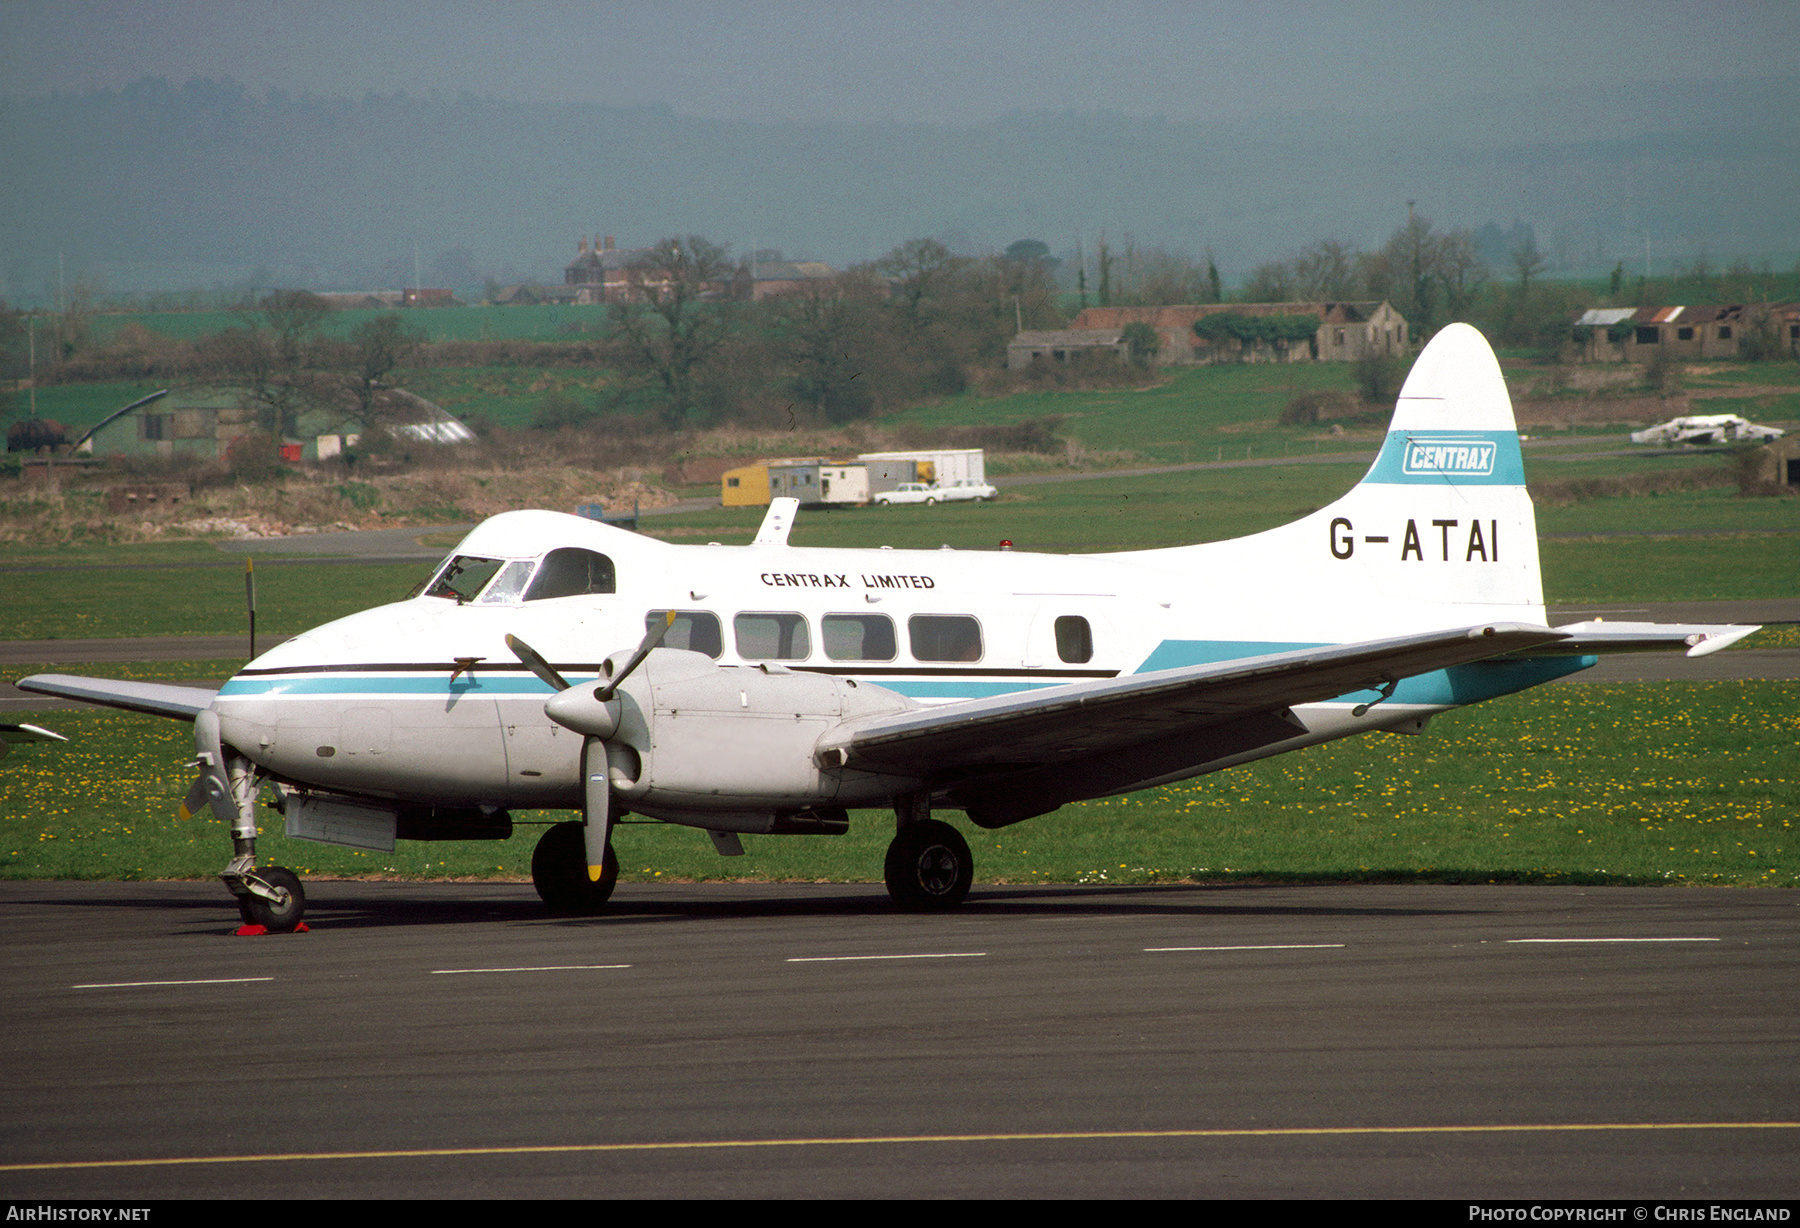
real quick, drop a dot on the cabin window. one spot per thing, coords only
(508, 584)
(1684, 334)
(859, 637)
(1074, 639)
(944, 637)
(1647, 336)
(692, 631)
(772, 637)
(462, 577)
(1724, 332)
(571, 572)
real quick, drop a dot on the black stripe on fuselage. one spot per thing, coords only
(844, 670)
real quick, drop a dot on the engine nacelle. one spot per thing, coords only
(696, 737)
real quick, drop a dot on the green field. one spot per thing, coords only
(506, 396)
(1196, 414)
(467, 323)
(81, 406)
(86, 601)
(1650, 783)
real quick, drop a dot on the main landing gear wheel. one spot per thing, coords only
(559, 872)
(281, 915)
(929, 866)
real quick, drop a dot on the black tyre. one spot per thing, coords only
(559, 872)
(282, 916)
(929, 866)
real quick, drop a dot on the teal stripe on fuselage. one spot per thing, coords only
(429, 686)
(1460, 684)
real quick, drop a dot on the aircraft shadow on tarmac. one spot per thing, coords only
(346, 905)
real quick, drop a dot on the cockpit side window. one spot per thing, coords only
(571, 572)
(463, 577)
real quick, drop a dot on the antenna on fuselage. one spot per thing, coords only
(250, 600)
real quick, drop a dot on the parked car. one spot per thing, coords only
(965, 490)
(910, 492)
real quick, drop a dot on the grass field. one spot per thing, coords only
(157, 598)
(1651, 783)
(1196, 414)
(466, 323)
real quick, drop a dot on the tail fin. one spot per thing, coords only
(1439, 532)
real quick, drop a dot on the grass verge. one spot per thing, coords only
(1629, 784)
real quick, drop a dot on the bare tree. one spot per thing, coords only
(1326, 272)
(1430, 278)
(680, 308)
(823, 332)
(923, 272)
(265, 358)
(1269, 282)
(293, 317)
(1528, 262)
(377, 346)
(1162, 276)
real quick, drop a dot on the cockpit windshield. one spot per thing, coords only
(565, 572)
(463, 577)
(508, 584)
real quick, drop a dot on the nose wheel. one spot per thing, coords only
(282, 909)
(559, 872)
(929, 866)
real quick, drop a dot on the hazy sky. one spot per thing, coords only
(934, 61)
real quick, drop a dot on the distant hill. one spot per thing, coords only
(160, 186)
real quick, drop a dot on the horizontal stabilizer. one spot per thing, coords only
(1696, 639)
(156, 698)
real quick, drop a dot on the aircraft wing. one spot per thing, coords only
(1037, 728)
(156, 698)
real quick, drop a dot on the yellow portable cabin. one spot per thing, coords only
(745, 486)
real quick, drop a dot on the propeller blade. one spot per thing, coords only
(596, 810)
(535, 663)
(652, 638)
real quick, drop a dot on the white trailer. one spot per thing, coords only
(943, 466)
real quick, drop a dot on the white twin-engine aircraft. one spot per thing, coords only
(773, 688)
